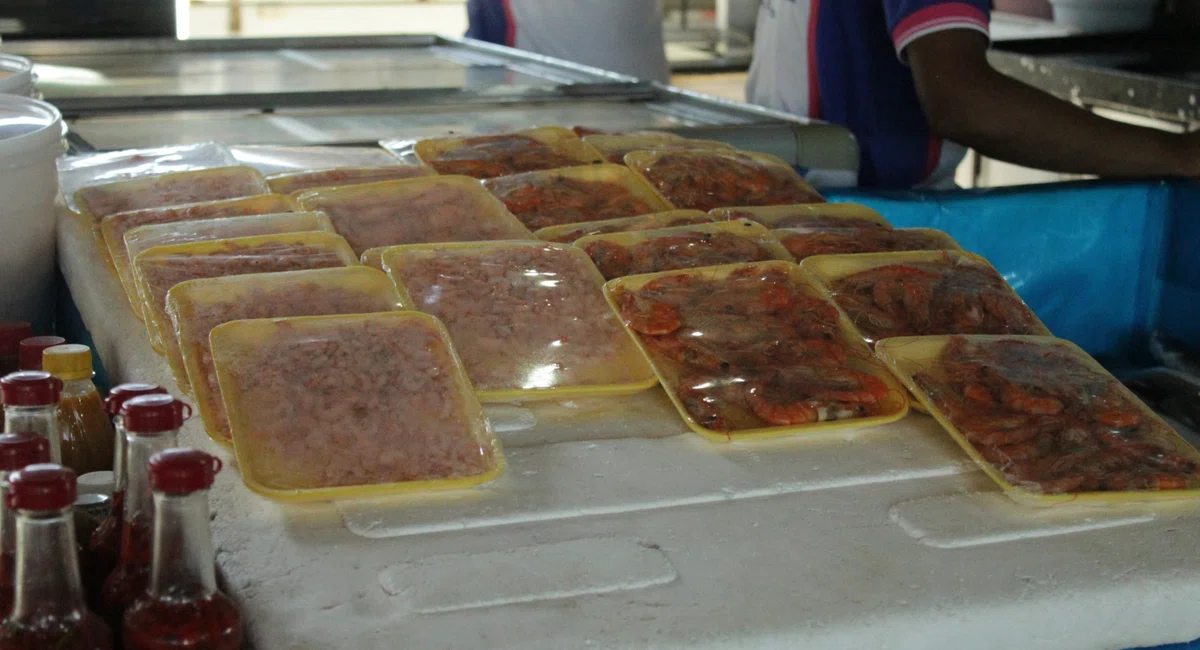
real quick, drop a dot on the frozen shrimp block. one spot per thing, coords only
(614, 146)
(292, 182)
(569, 233)
(178, 188)
(576, 194)
(684, 247)
(488, 156)
(808, 242)
(704, 180)
(325, 407)
(806, 215)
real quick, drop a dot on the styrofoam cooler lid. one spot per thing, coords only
(28, 127)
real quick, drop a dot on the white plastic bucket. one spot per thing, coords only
(16, 76)
(1098, 16)
(30, 140)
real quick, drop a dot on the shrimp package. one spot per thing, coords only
(415, 211)
(1045, 420)
(489, 156)
(302, 181)
(754, 350)
(805, 242)
(806, 215)
(614, 146)
(275, 158)
(576, 194)
(683, 247)
(569, 233)
(328, 407)
(528, 318)
(84, 170)
(923, 293)
(196, 307)
(705, 180)
(178, 188)
(159, 269)
(114, 227)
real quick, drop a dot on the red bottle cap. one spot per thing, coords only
(30, 356)
(18, 450)
(154, 414)
(181, 471)
(125, 392)
(12, 332)
(30, 388)
(41, 487)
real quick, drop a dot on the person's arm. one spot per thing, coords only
(969, 102)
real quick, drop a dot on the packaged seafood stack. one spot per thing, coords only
(614, 146)
(159, 269)
(324, 407)
(704, 180)
(302, 181)
(684, 247)
(197, 307)
(576, 194)
(569, 233)
(528, 318)
(144, 238)
(754, 350)
(923, 293)
(416, 211)
(805, 242)
(114, 227)
(806, 215)
(1045, 420)
(489, 156)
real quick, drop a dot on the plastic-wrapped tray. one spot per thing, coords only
(1045, 420)
(488, 156)
(576, 194)
(704, 180)
(328, 407)
(614, 146)
(114, 227)
(416, 211)
(528, 318)
(923, 293)
(197, 307)
(807, 215)
(83, 170)
(569, 233)
(684, 247)
(159, 269)
(754, 350)
(178, 188)
(301, 181)
(273, 158)
(373, 257)
(805, 242)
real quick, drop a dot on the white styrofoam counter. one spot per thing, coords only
(615, 528)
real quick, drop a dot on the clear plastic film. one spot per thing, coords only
(614, 146)
(178, 188)
(114, 227)
(78, 172)
(807, 242)
(416, 211)
(274, 159)
(576, 194)
(301, 181)
(683, 247)
(704, 180)
(806, 215)
(584, 131)
(923, 294)
(569, 233)
(198, 306)
(159, 269)
(1045, 420)
(327, 407)
(373, 257)
(528, 318)
(489, 156)
(754, 350)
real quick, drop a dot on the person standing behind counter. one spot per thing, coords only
(910, 78)
(624, 36)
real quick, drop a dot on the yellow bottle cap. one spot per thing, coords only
(68, 362)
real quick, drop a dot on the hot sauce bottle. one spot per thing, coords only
(29, 353)
(48, 610)
(182, 607)
(152, 424)
(105, 543)
(31, 404)
(17, 450)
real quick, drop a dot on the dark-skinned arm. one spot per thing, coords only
(969, 102)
